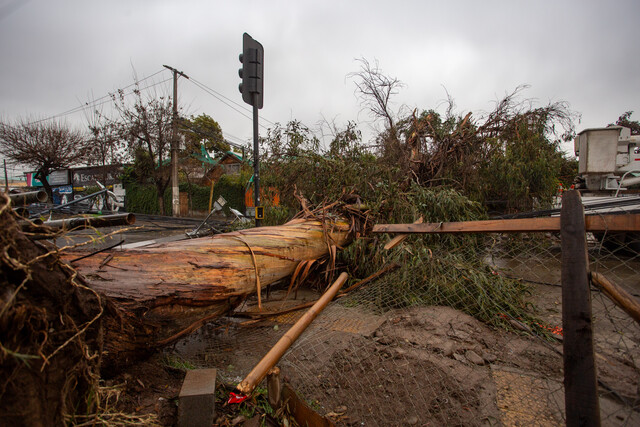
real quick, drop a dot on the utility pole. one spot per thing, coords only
(175, 191)
(6, 178)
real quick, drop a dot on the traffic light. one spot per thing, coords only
(252, 71)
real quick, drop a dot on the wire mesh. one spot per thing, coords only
(386, 354)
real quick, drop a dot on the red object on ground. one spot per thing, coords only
(237, 398)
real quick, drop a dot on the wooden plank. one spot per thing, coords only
(301, 412)
(618, 295)
(629, 222)
(401, 237)
(580, 385)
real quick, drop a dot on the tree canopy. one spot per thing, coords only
(625, 120)
(44, 146)
(202, 129)
(146, 126)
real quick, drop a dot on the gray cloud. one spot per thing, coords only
(59, 54)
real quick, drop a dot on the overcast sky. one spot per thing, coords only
(58, 54)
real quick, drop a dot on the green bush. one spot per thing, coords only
(231, 187)
(143, 198)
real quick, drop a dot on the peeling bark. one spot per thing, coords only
(161, 292)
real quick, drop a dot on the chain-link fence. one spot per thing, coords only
(469, 343)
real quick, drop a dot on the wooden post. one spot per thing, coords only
(274, 388)
(6, 178)
(580, 385)
(279, 349)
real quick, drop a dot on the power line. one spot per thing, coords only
(224, 100)
(204, 88)
(218, 94)
(107, 101)
(237, 139)
(107, 98)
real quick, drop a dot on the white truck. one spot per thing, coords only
(608, 171)
(609, 160)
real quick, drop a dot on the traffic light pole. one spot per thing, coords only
(256, 159)
(252, 88)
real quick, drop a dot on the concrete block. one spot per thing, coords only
(197, 399)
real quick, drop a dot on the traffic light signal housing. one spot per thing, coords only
(252, 71)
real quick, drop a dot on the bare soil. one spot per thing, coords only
(417, 366)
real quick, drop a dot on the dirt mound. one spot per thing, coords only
(420, 363)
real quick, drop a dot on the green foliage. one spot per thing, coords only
(568, 171)
(203, 129)
(457, 280)
(178, 363)
(290, 141)
(141, 198)
(142, 169)
(625, 120)
(232, 188)
(199, 196)
(277, 215)
(435, 269)
(525, 171)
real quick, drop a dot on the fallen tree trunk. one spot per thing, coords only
(57, 328)
(164, 291)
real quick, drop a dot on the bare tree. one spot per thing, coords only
(45, 146)
(145, 125)
(106, 143)
(106, 146)
(374, 89)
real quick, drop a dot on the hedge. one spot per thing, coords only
(143, 198)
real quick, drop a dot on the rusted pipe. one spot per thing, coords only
(78, 223)
(22, 199)
(273, 356)
(93, 221)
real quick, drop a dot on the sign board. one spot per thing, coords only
(90, 176)
(60, 177)
(62, 194)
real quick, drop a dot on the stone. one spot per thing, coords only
(448, 349)
(413, 420)
(197, 398)
(237, 420)
(252, 422)
(473, 357)
(461, 335)
(489, 357)
(340, 410)
(385, 340)
(399, 352)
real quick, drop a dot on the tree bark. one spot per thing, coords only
(164, 291)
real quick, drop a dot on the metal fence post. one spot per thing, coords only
(580, 384)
